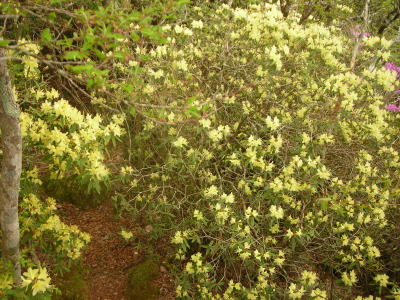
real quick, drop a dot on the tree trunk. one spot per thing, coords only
(285, 7)
(390, 18)
(307, 12)
(10, 172)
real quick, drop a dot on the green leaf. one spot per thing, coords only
(194, 112)
(119, 55)
(51, 16)
(73, 55)
(324, 203)
(4, 43)
(85, 178)
(100, 54)
(116, 36)
(162, 40)
(47, 36)
(149, 32)
(96, 186)
(90, 186)
(180, 3)
(135, 16)
(81, 68)
(129, 88)
(191, 99)
(135, 37)
(25, 238)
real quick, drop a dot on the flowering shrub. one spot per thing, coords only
(278, 173)
(285, 186)
(72, 144)
(45, 231)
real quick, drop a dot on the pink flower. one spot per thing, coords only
(355, 33)
(392, 67)
(392, 107)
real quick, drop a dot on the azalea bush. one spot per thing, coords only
(251, 141)
(279, 168)
(66, 146)
(44, 231)
(72, 145)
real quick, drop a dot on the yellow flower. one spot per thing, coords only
(126, 234)
(39, 278)
(295, 293)
(206, 123)
(382, 279)
(309, 277)
(319, 294)
(180, 142)
(279, 261)
(178, 238)
(189, 268)
(42, 283)
(396, 293)
(198, 215)
(211, 191)
(349, 279)
(272, 124)
(6, 282)
(53, 94)
(197, 24)
(228, 198)
(276, 212)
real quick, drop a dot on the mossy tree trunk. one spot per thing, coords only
(11, 170)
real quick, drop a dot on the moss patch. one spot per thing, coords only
(140, 285)
(73, 285)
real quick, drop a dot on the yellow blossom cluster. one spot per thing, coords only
(39, 218)
(27, 51)
(36, 279)
(74, 142)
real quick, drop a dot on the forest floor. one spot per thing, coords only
(109, 258)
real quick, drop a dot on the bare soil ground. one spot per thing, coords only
(108, 257)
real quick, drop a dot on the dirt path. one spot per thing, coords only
(108, 258)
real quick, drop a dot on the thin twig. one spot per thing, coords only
(9, 17)
(4, 26)
(57, 10)
(359, 37)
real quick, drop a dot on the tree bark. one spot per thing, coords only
(10, 172)
(285, 7)
(390, 18)
(307, 12)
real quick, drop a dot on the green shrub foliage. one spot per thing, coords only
(280, 165)
(253, 142)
